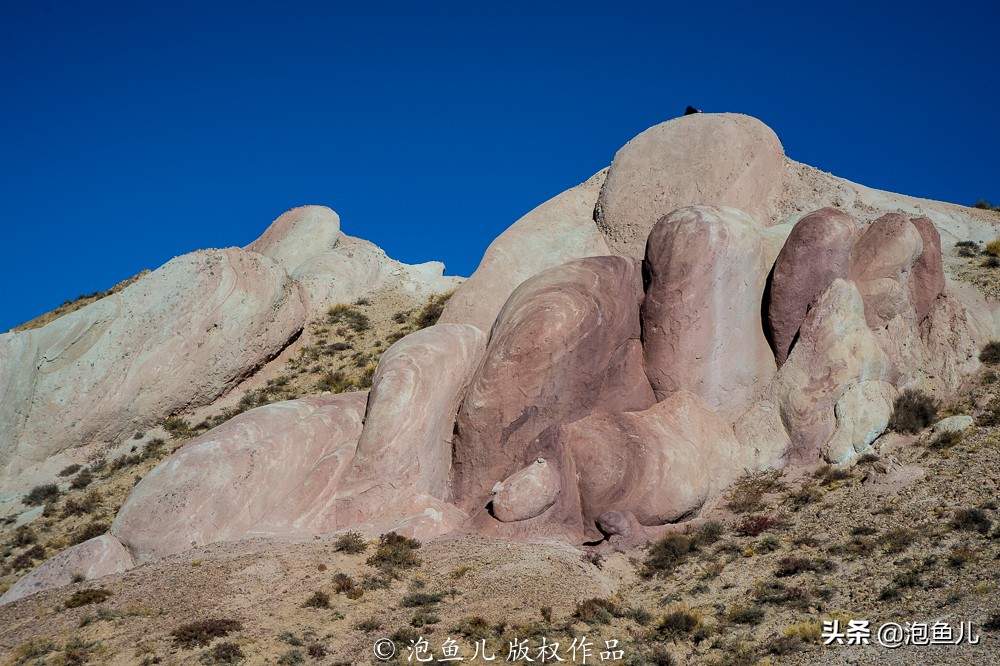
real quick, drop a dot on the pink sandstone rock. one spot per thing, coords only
(405, 449)
(701, 317)
(298, 235)
(559, 230)
(817, 251)
(179, 337)
(835, 351)
(880, 267)
(565, 345)
(927, 279)
(722, 159)
(100, 556)
(219, 486)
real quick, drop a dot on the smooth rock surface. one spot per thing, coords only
(817, 252)
(835, 351)
(565, 345)
(100, 556)
(880, 267)
(179, 337)
(701, 317)
(406, 447)
(723, 159)
(862, 415)
(298, 235)
(559, 230)
(218, 487)
(953, 424)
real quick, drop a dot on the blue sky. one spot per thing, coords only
(134, 132)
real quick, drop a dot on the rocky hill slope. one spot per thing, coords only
(702, 316)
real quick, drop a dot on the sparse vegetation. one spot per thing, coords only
(70, 470)
(43, 494)
(395, 552)
(318, 599)
(595, 611)
(204, 632)
(87, 597)
(913, 411)
(790, 566)
(990, 353)
(431, 312)
(972, 520)
(754, 524)
(351, 543)
(227, 653)
(747, 494)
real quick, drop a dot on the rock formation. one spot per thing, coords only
(568, 392)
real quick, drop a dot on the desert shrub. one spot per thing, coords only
(82, 480)
(177, 427)
(913, 411)
(70, 470)
(666, 554)
(990, 354)
(87, 597)
(316, 650)
(993, 247)
(423, 618)
(351, 543)
(23, 536)
(154, 447)
(227, 653)
(597, 611)
(945, 440)
(204, 632)
(746, 495)
(27, 559)
(368, 624)
(376, 582)
(992, 623)
(828, 474)
(807, 493)
(768, 544)
(808, 632)
(708, 533)
(659, 655)
(475, 627)
(421, 599)
(751, 615)
(335, 382)
(983, 204)
(84, 505)
(754, 524)
(394, 552)
(353, 319)
(43, 494)
(790, 566)
(87, 532)
(960, 555)
(367, 376)
(972, 520)
(678, 621)
(291, 657)
(431, 312)
(404, 636)
(773, 592)
(318, 599)
(990, 262)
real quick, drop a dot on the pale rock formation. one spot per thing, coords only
(565, 345)
(817, 251)
(176, 338)
(704, 159)
(100, 556)
(880, 267)
(559, 230)
(701, 317)
(862, 414)
(299, 235)
(953, 424)
(220, 485)
(835, 351)
(527, 493)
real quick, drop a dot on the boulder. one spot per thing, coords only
(298, 235)
(880, 267)
(953, 424)
(100, 556)
(217, 487)
(406, 447)
(177, 338)
(559, 230)
(862, 414)
(817, 252)
(701, 317)
(835, 351)
(722, 159)
(565, 345)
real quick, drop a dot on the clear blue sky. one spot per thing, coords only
(134, 132)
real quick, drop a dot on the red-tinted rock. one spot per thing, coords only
(880, 267)
(927, 278)
(701, 317)
(816, 253)
(566, 344)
